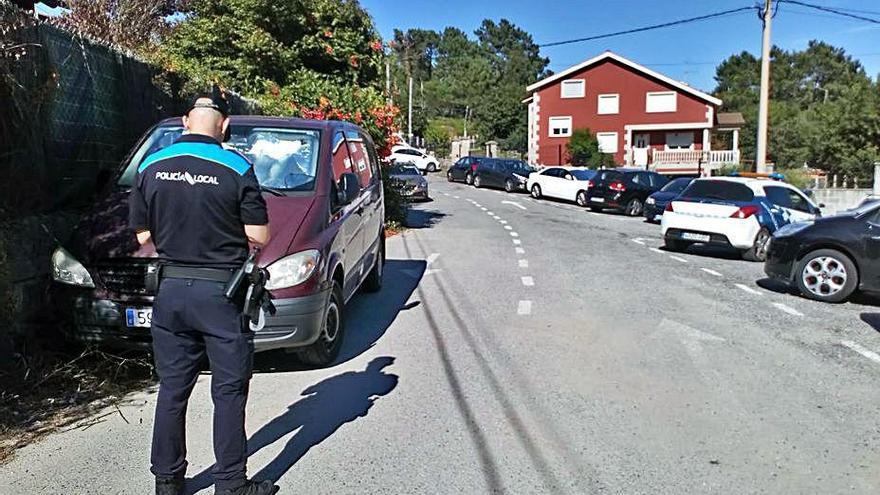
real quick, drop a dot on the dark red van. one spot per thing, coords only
(322, 183)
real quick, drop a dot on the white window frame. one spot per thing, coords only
(689, 148)
(660, 109)
(551, 126)
(582, 93)
(609, 97)
(607, 135)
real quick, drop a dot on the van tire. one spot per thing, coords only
(322, 353)
(373, 282)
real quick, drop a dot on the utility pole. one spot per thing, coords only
(764, 103)
(410, 109)
(388, 83)
(467, 112)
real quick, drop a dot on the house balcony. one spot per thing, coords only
(686, 162)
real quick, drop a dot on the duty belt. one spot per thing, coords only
(197, 273)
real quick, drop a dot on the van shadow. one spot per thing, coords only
(324, 408)
(367, 317)
(705, 251)
(422, 219)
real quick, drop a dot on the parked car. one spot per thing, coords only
(408, 180)
(463, 169)
(570, 184)
(511, 175)
(736, 212)
(323, 189)
(656, 203)
(830, 258)
(623, 189)
(423, 161)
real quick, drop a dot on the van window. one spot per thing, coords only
(341, 158)
(360, 158)
(283, 158)
(719, 189)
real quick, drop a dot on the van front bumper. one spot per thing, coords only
(297, 322)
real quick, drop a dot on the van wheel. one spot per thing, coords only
(325, 350)
(536, 191)
(758, 251)
(581, 198)
(478, 182)
(469, 179)
(373, 282)
(827, 275)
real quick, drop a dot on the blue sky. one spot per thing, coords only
(689, 53)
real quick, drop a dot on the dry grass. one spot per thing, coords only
(48, 390)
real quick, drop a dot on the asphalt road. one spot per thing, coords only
(524, 346)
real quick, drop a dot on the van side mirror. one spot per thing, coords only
(348, 188)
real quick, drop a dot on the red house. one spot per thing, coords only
(642, 117)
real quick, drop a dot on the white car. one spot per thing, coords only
(422, 161)
(570, 184)
(736, 212)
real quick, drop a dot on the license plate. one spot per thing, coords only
(596, 199)
(690, 236)
(138, 317)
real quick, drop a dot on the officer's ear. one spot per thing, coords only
(224, 128)
(185, 120)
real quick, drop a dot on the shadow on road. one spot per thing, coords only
(776, 286)
(423, 219)
(325, 407)
(368, 316)
(872, 319)
(712, 252)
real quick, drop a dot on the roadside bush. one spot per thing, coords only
(583, 150)
(439, 139)
(797, 177)
(395, 204)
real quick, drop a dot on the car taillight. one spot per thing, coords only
(745, 212)
(617, 186)
(669, 207)
(590, 184)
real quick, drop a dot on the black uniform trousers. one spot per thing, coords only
(192, 318)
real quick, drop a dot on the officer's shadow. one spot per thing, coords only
(327, 406)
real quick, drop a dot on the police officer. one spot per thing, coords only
(201, 206)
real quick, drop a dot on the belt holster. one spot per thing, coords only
(152, 277)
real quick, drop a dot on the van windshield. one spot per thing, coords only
(283, 159)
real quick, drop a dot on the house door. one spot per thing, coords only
(641, 144)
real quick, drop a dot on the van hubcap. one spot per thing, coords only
(331, 324)
(824, 276)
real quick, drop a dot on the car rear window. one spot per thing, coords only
(608, 175)
(719, 189)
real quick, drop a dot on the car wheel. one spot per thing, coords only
(325, 350)
(827, 275)
(373, 282)
(508, 185)
(634, 207)
(469, 179)
(478, 182)
(581, 198)
(432, 167)
(758, 251)
(536, 191)
(675, 245)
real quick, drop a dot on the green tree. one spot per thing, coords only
(583, 150)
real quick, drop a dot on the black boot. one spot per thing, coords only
(266, 487)
(169, 485)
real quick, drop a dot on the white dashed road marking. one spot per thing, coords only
(679, 259)
(502, 222)
(658, 251)
(524, 308)
(638, 241)
(517, 242)
(523, 263)
(457, 197)
(873, 356)
(432, 258)
(514, 234)
(748, 289)
(712, 272)
(508, 227)
(528, 281)
(520, 250)
(787, 309)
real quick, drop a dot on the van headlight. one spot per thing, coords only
(293, 270)
(67, 270)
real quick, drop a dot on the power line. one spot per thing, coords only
(652, 27)
(832, 10)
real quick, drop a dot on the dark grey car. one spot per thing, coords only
(409, 181)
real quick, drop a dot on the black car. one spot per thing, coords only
(463, 169)
(656, 203)
(623, 189)
(511, 175)
(830, 258)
